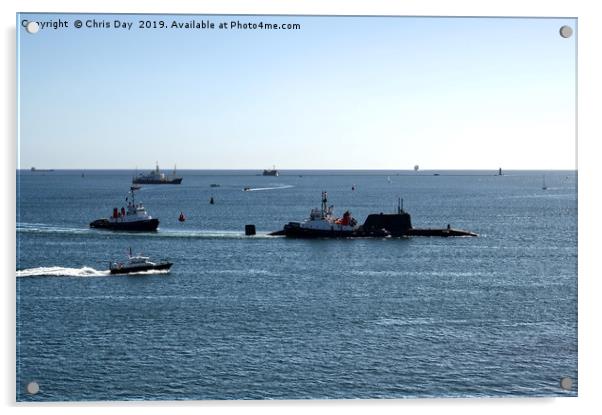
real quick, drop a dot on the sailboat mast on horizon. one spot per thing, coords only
(543, 186)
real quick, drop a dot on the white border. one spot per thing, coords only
(590, 112)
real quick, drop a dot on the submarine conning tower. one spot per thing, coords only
(397, 224)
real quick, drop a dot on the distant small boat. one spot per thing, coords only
(182, 218)
(211, 201)
(214, 185)
(34, 170)
(246, 189)
(544, 186)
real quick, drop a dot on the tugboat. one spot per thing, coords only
(323, 224)
(134, 218)
(272, 172)
(156, 177)
(138, 263)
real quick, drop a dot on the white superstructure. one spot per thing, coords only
(323, 219)
(134, 212)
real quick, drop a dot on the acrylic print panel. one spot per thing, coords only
(438, 154)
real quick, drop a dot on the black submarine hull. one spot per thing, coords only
(377, 225)
(445, 232)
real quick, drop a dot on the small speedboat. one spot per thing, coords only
(138, 263)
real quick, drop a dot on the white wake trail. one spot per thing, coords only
(61, 272)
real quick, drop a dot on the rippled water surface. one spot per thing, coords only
(274, 318)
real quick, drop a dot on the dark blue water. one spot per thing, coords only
(274, 318)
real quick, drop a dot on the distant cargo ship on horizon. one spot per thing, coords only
(272, 172)
(156, 177)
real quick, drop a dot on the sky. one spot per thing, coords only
(338, 93)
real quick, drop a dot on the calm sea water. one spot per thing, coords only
(274, 318)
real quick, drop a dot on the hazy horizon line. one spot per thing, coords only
(300, 169)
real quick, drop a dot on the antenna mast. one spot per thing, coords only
(324, 203)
